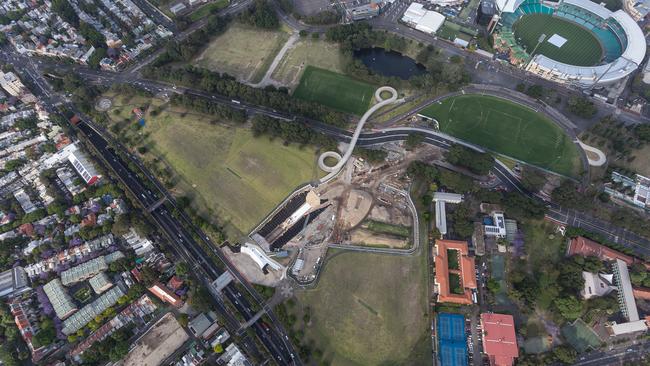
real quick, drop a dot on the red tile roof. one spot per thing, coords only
(466, 272)
(585, 247)
(499, 339)
(165, 295)
(641, 293)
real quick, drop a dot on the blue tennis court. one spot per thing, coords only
(452, 347)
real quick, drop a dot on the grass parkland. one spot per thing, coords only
(582, 48)
(335, 90)
(509, 129)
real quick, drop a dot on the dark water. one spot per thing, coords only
(389, 63)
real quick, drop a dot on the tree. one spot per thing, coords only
(182, 269)
(261, 15)
(522, 207)
(569, 307)
(532, 179)
(565, 354)
(493, 285)
(535, 91)
(477, 162)
(456, 181)
(183, 320)
(582, 107)
(567, 195)
(200, 299)
(421, 170)
(413, 140)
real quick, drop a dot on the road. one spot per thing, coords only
(623, 356)
(275, 338)
(187, 247)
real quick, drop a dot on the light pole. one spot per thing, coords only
(541, 39)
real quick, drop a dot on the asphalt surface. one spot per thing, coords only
(187, 247)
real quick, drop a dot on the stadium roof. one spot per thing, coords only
(629, 61)
(499, 339)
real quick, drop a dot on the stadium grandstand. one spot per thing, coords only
(574, 42)
(289, 220)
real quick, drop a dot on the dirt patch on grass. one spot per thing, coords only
(242, 51)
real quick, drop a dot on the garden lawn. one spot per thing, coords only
(242, 51)
(370, 309)
(335, 90)
(509, 129)
(238, 177)
(307, 52)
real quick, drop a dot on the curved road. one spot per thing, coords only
(335, 169)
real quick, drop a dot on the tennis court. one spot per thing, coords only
(581, 336)
(452, 345)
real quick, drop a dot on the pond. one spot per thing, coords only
(389, 63)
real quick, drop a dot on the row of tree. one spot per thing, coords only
(290, 132)
(203, 105)
(226, 85)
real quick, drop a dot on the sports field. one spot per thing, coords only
(509, 129)
(582, 48)
(370, 309)
(308, 52)
(242, 51)
(335, 90)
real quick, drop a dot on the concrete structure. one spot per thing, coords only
(59, 298)
(364, 11)
(84, 166)
(639, 184)
(139, 244)
(625, 292)
(441, 199)
(499, 339)
(597, 284)
(592, 16)
(465, 272)
(629, 327)
(638, 9)
(204, 325)
(260, 258)
(498, 227)
(10, 82)
(427, 21)
(13, 282)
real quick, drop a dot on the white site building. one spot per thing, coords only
(427, 21)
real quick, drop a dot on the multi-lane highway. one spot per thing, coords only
(274, 339)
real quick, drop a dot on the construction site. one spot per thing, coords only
(366, 207)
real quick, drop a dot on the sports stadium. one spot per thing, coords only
(575, 42)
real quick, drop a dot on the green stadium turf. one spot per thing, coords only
(581, 49)
(509, 129)
(334, 90)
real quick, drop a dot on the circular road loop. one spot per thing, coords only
(341, 160)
